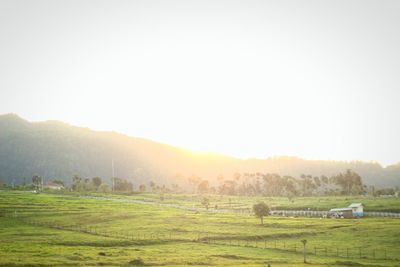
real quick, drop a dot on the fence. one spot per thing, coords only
(313, 213)
(209, 239)
(302, 213)
(382, 214)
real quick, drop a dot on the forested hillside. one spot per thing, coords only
(55, 150)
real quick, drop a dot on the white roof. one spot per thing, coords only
(341, 209)
(355, 205)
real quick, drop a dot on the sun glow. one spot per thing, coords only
(234, 79)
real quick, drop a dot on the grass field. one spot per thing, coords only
(68, 230)
(323, 203)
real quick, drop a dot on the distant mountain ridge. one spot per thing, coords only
(55, 149)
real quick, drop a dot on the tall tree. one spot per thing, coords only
(96, 181)
(203, 187)
(37, 182)
(76, 183)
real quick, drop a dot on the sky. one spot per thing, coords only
(251, 78)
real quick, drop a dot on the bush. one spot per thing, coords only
(136, 262)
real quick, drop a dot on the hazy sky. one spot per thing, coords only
(314, 79)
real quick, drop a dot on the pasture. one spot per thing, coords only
(143, 230)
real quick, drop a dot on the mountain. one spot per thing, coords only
(55, 149)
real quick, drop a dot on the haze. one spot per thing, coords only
(314, 79)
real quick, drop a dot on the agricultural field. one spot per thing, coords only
(322, 203)
(175, 230)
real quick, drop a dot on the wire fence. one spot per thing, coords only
(301, 213)
(144, 238)
(382, 214)
(313, 213)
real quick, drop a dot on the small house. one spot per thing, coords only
(53, 186)
(357, 209)
(354, 210)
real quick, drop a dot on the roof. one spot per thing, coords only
(341, 209)
(355, 205)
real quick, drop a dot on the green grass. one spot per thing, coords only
(68, 230)
(298, 203)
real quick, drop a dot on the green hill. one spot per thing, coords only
(54, 149)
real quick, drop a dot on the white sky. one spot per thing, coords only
(314, 79)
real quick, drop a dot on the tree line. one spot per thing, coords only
(274, 185)
(244, 184)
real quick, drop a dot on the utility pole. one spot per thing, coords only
(113, 174)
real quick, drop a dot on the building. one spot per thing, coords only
(53, 186)
(357, 209)
(354, 210)
(341, 213)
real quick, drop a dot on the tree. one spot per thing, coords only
(236, 176)
(350, 182)
(194, 180)
(76, 183)
(37, 181)
(203, 187)
(260, 210)
(304, 241)
(142, 188)
(228, 187)
(122, 185)
(176, 188)
(205, 202)
(152, 186)
(88, 185)
(96, 181)
(104, 188)
(220, 178)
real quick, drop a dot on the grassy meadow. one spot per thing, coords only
(323, 203)
(141, 230)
